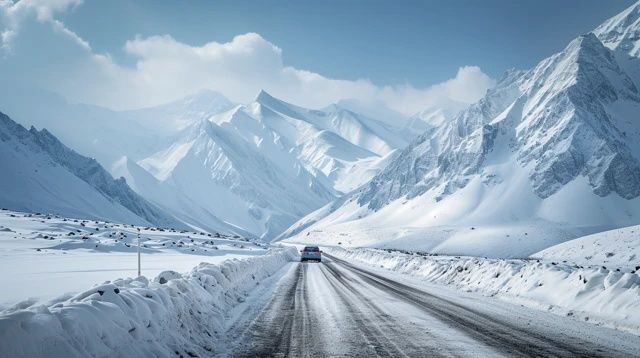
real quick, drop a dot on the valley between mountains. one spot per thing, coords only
(507, 228)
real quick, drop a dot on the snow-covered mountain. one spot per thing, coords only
(257, 168)
(621, 34)
(105, 134)
(39, 173)
(270, 162)
(553, 152)
(168, 119)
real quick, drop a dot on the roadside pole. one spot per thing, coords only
(138, 252)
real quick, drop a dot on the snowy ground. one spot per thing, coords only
(615, 249)
(263, 301)
(44, 256)
(595, 293)
(344, 309)
(498, 241)
(175, 314)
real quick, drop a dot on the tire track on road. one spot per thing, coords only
(381, 344)
(404, 336)
(502, 335)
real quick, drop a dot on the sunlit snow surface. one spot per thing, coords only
(43, 256)
(549, 154)
(598, 290)
(617, 249)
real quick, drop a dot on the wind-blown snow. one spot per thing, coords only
(104, 134)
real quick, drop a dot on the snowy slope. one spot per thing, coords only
(616, 249)
(555, 149)
(41, 174)
(258, 168)
(194, 213)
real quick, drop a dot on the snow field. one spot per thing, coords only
(602, 295)
(46, 256)
(618, 248)
(175, 314)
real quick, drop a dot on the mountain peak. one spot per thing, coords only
(274, 104)
(268, 100)
(264, 97)
(585, 42)
(588, 53)
(622, 30)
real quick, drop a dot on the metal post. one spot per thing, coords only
(138, 255)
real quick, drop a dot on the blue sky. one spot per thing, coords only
(389, 42)
(406, 56)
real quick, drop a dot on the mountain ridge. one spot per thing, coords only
(536, 143)
(62, 167)
(272, 161)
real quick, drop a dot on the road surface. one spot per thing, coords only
(339, 309)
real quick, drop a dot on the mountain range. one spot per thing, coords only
(548, 154)
(250, 170)
(259, 167)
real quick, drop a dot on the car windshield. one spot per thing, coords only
(311, 248)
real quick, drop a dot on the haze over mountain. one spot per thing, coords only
(244, 169)
(42, 174)
(547, 154)
(259, 167)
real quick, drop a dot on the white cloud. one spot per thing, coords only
(166, 69)
(13, 13)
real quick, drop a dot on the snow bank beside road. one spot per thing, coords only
(173, 315)
(596, 294)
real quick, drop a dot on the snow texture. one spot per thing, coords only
(617, 249)
(175, 314)
(598, 294)
(48, 257)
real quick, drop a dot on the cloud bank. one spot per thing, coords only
(38, 49)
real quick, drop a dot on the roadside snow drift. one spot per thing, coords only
(173, 315)
(603, 295)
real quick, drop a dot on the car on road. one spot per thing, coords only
(311, 253)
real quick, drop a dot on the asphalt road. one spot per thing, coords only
(337, 309)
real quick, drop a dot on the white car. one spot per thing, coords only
(312, 253)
